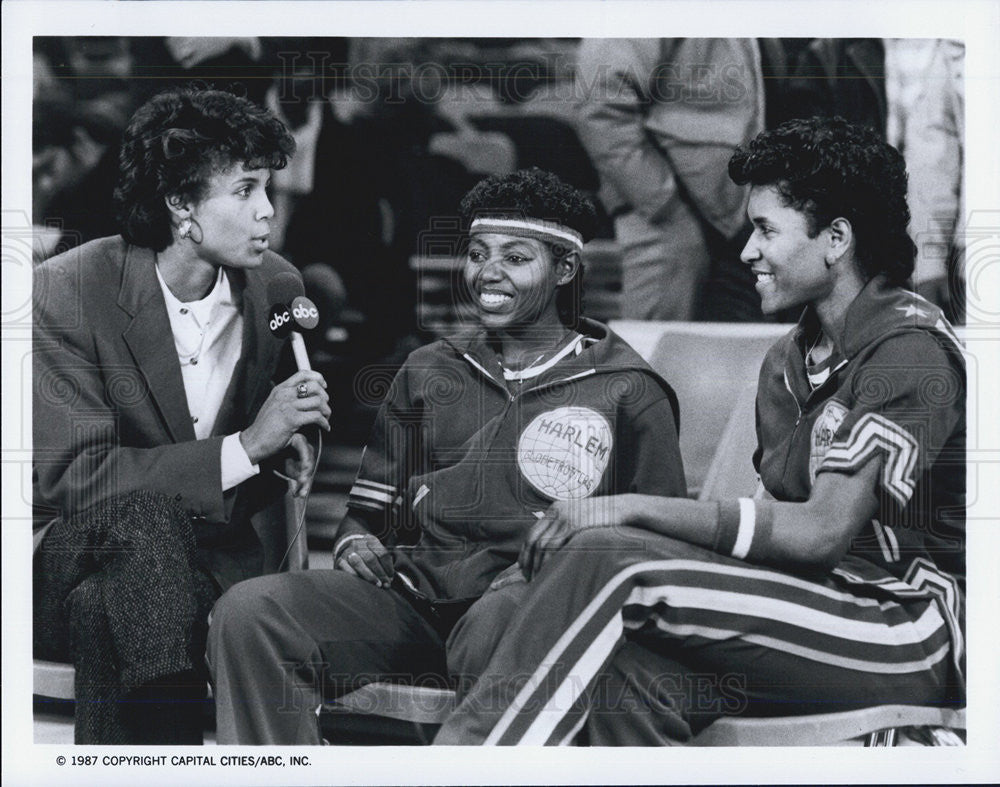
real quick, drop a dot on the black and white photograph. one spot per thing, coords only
(386, 382)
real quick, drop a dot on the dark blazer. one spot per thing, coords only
(110, 411)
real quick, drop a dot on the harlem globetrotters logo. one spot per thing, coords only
(563, 453)
(823, 432)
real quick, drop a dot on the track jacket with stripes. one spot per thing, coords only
(460, 464)
(898, 392)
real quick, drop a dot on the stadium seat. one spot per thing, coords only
(710, 366)
(887, 725)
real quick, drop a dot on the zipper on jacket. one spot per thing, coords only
(788, 387)
(795, 429)
(486, 373)
(513, 397)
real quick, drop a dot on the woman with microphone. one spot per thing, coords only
(156, 429)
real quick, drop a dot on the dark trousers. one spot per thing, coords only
(119, 592)
(723, 637)
(281, 645)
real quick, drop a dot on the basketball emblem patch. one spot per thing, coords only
(563, 453)
(823, 430)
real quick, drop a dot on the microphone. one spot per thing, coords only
(291, 311)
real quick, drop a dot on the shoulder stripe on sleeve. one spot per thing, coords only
(358, 491)
(873, 433)
(375, 485)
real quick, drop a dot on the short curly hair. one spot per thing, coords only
(535, 193)
(176, 141)
(826, 167)
(531, 193)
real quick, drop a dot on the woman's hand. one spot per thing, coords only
(564, 519)
(285, 411)
(364, 556)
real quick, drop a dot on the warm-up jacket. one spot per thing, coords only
(898, 394)
(459, 467)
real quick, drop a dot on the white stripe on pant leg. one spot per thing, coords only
(684, 597)
(568, 738)
(586, 667)
(821, 657)
(572, 631)
(555, 653)
(557, 650)
(768, 575)
(584, 670)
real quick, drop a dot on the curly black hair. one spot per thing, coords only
(531, 193)
(176, 141)
(827, 168)
(535, 193)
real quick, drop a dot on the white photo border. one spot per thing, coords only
(975, 22)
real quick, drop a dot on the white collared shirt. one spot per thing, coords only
(208, 336)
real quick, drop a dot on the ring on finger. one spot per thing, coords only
(301, 391)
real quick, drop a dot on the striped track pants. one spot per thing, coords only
(779, 644)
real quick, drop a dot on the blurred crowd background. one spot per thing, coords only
(392, 132)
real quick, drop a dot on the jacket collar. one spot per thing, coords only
(474, 344)
(141, 297)
(604, 352)
(148, 339)
(879, 309)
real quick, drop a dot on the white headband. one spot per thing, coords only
(539, 229)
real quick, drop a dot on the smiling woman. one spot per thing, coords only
(155, 424)
(477, 436)
(523, 270)
(841, 584)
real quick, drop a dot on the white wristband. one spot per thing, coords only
(748, 524)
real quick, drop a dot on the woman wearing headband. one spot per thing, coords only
(841, 585)
(476, 437)
(154, 417)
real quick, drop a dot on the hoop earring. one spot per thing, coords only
(184, 228)
(195, 232)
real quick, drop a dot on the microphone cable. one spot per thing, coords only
(301, 510)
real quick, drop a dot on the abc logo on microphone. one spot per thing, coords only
(300, 315)
(281, 321)
(304, 313)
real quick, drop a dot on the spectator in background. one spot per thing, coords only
(839, 76)
(660, 119)
(926, 121)
(83, 97)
